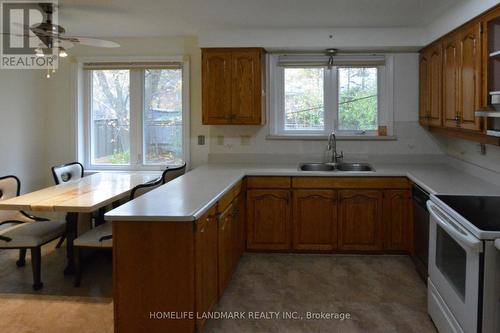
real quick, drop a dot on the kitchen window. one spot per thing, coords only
(135, 115)
(312, 95)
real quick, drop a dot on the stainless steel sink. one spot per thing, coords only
(358, 167)
(316, 167)
(342, 167)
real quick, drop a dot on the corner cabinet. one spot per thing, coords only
(233, 86)
(450, 80)
(454, 81)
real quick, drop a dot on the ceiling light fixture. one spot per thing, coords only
(62, 52)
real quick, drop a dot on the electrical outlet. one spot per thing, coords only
(245, 140)
(220, 140)
(201, 140)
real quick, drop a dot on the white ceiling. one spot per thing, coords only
(139, 18)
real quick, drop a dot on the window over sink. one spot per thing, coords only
(311, 95)
(134, 115)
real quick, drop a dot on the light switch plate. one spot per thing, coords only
(220, 140)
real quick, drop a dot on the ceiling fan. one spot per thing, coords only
(53, 35)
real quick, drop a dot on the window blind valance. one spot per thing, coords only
(131, 65)
(338, 60)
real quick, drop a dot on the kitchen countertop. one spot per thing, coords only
(190, 196)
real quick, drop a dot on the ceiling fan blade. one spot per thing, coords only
(91, 41)
(63, 43)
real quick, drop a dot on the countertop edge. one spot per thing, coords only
(196, 214)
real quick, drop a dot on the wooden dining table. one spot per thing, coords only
(80, 199)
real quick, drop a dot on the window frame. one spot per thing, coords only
(137, 133)
(276, 97)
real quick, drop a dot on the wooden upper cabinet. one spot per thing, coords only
(247, 96)
(469, 92)
(398, 224)
(430, 75)
(233, 81)
(435, 84)
(216, 87)
(268, 219)
(423, 114)
(360, 220)
(314, 220)
(450, 82)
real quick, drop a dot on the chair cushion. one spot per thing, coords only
(91, 237)
(32, 234)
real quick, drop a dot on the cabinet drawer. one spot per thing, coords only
(229, 197)
(268, 182)
(350, 182)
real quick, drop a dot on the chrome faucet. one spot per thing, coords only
(332, 147)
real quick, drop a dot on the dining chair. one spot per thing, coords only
(67, 173)
(172, 173)
(101, 237)
(22, 231)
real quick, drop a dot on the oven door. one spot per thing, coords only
(454, 264)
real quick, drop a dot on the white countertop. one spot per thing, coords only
(188, 197)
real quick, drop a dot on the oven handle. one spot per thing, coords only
(453, 229)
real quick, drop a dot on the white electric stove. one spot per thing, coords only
(464, 263)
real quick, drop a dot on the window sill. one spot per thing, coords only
(325, 137)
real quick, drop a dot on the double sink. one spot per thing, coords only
(341, 167)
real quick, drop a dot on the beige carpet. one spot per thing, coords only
(379, 293)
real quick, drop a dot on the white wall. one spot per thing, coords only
(411, 138)
(469, 152)
(23, 127)
(344, 38)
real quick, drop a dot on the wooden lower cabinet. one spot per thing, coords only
(153, 271)
(398, 224)
(226, 247)
(268, 219)
(239, 229)
(360, 220)
(189, 263)
(314, 220)
(206, 253)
